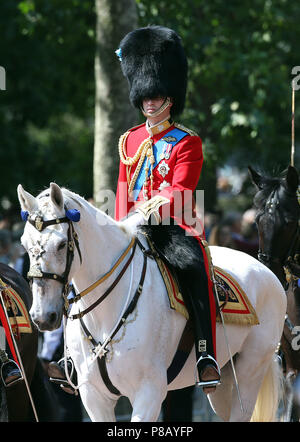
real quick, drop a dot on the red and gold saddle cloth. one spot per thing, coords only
(236, 307)
(16, 310)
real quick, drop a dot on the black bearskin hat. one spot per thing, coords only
(155, 65)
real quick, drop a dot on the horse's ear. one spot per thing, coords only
(27, 201)
(255, 177)
(292, 179)
(56, 195)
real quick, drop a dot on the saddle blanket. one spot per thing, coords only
(16, 310)
(235, 305)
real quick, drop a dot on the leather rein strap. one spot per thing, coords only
(102, 360)
(102, 279)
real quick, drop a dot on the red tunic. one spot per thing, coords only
(185, 164)
(178, 184)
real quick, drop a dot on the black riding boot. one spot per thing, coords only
(196, 298)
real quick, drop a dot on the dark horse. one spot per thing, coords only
(15, 402)
(277, 221)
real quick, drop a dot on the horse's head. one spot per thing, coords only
(51, 242)
(277, 217)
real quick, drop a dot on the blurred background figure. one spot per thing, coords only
(52, 349)
(221, 235)
(236, 231)
(5, 245)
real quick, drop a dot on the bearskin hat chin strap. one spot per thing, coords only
(159, 111)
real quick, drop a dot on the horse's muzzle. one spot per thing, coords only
(47, 322)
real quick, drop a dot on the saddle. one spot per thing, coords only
(180, 259)
(179, 251)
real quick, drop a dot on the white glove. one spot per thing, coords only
(132, 222)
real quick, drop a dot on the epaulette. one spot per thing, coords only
(185, 129)
(125, 134)
(136, 127)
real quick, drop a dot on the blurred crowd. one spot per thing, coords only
(12, 252)
(236, 230)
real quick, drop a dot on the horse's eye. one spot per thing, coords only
(62, 245)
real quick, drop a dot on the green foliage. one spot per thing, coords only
(239, 98)
(47, 110)
(240, 59)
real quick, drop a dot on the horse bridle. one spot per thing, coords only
(35, 271)
(284, 262)
(267, 258)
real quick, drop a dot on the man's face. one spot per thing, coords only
(151, 105)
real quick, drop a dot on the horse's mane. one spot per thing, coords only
(274, 179)
(71, 197)
(72, 200)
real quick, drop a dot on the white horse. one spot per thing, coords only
(144, 347)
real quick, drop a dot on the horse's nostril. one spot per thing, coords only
(52, 318)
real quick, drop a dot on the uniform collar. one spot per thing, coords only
(159, 127)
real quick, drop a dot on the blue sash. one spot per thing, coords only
(158, 148)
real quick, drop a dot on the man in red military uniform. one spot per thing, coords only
(160, 165)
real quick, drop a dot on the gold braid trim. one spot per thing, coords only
(144, 149)
(152, 207)
(128, 161)
(185, 129)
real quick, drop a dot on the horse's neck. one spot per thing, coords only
(101, 242)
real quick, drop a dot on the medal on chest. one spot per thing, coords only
(163, 168)
(166, 153)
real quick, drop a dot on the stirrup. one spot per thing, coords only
(207, 384)
(4, 378)
(57, 374)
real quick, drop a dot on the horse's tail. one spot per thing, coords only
(270, 394)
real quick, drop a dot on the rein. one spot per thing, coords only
(100, 349)
(35, 272)
(132, 246)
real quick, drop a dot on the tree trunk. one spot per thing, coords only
(113, 111)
